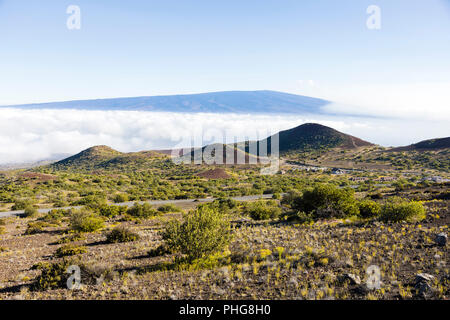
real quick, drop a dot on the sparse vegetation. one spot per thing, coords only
(397, 209)
(30, 212)
(263, 210)
(53, 275)
(203, 232)
(169, 208)
(121, 234)
(369, 209)
(142, 211)
(85, 221)
(326, 201)
(69, 250)
(316, 242)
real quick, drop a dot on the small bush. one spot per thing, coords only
(142, 211)
(159, 251)
(36, 227)
(2, 230)
(53, 275)
(30, 212)
(203, 232)
(94, 202)
(262, 210)
(112, 211)
(71, 238)
(302, 217)
(54, 216)
(289, 197)
(21, 204)
(69, 250)
(398, 209)
(120, 197)
(169, 208)
(326, 201)
(369, 209)
(222, 205)
(121, 234)
(81, 221)
(2, 222)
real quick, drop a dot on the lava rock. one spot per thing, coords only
(423, 284)
(441, 239)
(351, 278)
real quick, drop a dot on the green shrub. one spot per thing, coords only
(2, 222)
(21, 204)
(143, 211)
(222, 205)
(121, 234)
(112, 211)
(94, 202)
(53, 275)
(2, 230)
(54, 216)
(302, 217)
(36, 227)
(71, 238)
(398, 209)
(120, 197)
(369, 209)
(83, 221)
(203, 232)
(169, 208)
(289, 197)
(159, 251)
(60, 203)
(262, 210)
(326, 201)
(69, 250)
(30, 212)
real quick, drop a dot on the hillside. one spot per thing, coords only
(207, 154)
(432, 144)
(312, 137)
(88, 158)
(104, 157)
(214, 102)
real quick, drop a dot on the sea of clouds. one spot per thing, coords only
(34, 135)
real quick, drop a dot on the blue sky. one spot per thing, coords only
(318, 48)
(132, 48)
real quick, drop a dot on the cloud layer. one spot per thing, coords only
(32, 135)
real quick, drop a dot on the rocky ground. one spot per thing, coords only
(324, 260)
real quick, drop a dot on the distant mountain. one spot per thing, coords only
(312, 137)
(432, 144)
(88, 158)
(213, 102)
(104, 157)
(306, 137)
(29, 165)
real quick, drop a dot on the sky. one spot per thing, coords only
(318, 48)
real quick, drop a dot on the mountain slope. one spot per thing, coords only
(306, 137)
(88, 158)
(432, 144)
(104, 157)
(215, 102)
(314, 137)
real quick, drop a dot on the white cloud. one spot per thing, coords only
(429, 101)
(31, 135)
